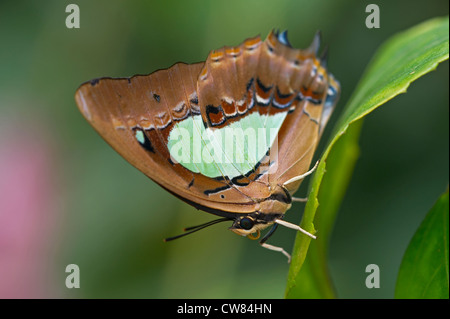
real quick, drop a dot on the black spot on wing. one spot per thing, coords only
(283, 96)
(264, 88)
(241, 180)
(211, 109)
(282, 197)
(94, 82)
(216, 190)
(250, 84)
(143, 140)
(194, 100)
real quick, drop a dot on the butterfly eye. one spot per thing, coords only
(246, 223)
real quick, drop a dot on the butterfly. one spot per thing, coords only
(233, 136)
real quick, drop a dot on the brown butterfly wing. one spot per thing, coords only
(135, 116)
(121, 108)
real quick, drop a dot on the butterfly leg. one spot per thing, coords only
(296, 178)
(262, 242)
(276, 248)
(298, 199)
(293, 226)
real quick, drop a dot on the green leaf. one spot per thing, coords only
(400, 60)
(314, 278)
(424, 269)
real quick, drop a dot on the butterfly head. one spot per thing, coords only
(250, 225)
(269, 210)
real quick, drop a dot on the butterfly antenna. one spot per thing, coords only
(193, 229)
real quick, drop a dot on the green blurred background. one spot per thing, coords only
(83, 204)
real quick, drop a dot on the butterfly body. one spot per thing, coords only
(229, 136)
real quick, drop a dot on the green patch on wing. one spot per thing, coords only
(231, 151)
